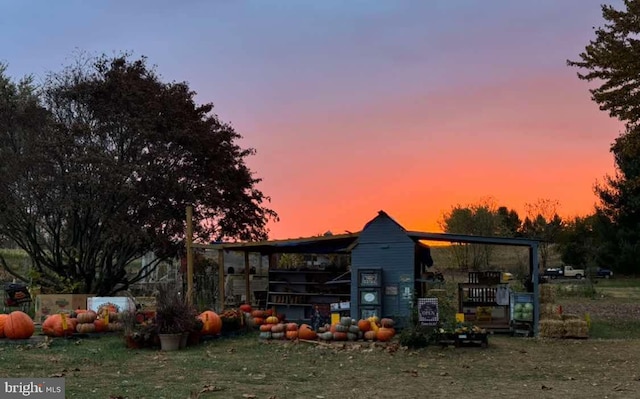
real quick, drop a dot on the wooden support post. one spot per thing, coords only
(247, 281)
(221, 280)
(189, 255)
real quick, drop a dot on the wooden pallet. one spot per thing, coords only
(464, 340)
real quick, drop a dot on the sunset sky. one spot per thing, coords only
(356, 106)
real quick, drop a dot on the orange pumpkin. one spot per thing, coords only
(292, 334)
(58, 325)
(306, 332)
(258, 321)
(258, 313)
(292, 327)
(385, 334)
(100, 325)
(268, 312)
(212, 323)
(246, 308)
(339, 336)
(3, 319)
(265, 327)
(18, 325)
(85, 328)
(332, 329)
(364, 325)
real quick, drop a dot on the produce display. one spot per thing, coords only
(17, 325)
(523, 311)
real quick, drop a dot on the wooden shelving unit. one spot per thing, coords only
(296, 292)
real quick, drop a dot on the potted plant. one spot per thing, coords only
(173, 317)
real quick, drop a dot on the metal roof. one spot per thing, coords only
(321, 244)
(471, 239)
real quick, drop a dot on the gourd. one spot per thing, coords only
(258, 321)
(340, 336)
(265, 335)
(326, 336)
(353, 329)
(341, 328)
(86, 328)
(306, 332)
(266, 327)
(291, 334)
(272, 320)
(246, 308)
(212, 323)
(18, 325)
(388, 323)
(3, 319)
(58, 325)
(277, 328)
(277, 335)
(351, 336)
(345, 321)
(385, 334)
(370, 335)
(292, 327)
(258, 313)
(87, 317)
(364, 325)
(100, 325)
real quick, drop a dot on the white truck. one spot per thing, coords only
(564, 271)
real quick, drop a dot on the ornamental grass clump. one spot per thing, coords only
(173, 314)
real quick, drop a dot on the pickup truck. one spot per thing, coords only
(604, 272)
(564, 271)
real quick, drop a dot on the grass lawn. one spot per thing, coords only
(244, 367)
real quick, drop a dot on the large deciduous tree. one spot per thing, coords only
(99, 166)
(543, 223)
(612, 61)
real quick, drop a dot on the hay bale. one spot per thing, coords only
(551, 328)
(576, 328)
(547, 293)
(569, 316)
(550, 311)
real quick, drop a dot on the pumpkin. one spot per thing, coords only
(388, 323)
(3, 319)
(265, 335)
(364, 325)
(326, 336)
(246, 308)
(341, 328)
(59, 325)
(277, 335)
(385, 334)
(258, 313)
(87, 317)
(340, 336)
(345, 321)
(266, 327)
(18, 325)
(291, 334)
(354, 329)
(258, 321)
(272, 320)
(100, 325)
(306, 332)
(351, 336)
(212, 323)
(86, 328)
(292, 327)
(115, 326)
(370, 335)
(277, 328)
(332, 329)
(268, 312)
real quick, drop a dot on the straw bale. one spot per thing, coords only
(551, 328)
(550, 311)
(575, 328)
(547, 293)
(569, 316)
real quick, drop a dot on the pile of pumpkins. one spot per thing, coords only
(347, 329)
(81, 321)
(16, 325)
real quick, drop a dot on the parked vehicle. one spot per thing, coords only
(604, 272)
(564, 272)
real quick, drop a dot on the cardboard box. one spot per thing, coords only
(47, 304)
(146, 303)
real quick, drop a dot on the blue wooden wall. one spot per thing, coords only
(384, 244)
